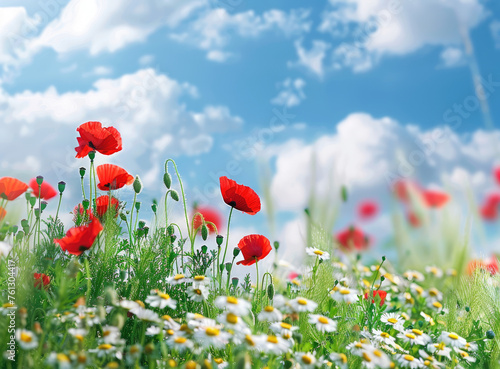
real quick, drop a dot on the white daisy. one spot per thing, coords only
(465, 355)
(439, 349)
(435, 271)
(61, 361)
(146, 315)
(283, 329)
(270, 314)
(413, 275)
(427, 318)
(412, 338)
(452, 339)
(430, 361)
(374, 358)
(178, 279)
(27, 339)
(306, 360)
(133, 353)
(409, 361)
(7, 308)
(344, 294)
(300, 305)
(78, 333)
(111, 335)
(153, 330)
(394, 320)
(197, 320)
(383, 337)
(236, 306)
(211, 337)
(200, 280)
(231, 321)
(323, 324)
(198, 292)
(434, 294)
(320, 254)
(161, 300)
(180, 343)
(339, 359)
(129, 305)
(272, 344)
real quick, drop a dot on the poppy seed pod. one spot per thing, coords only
(204, 249)
(137, 185)
(204, 232)
(92, 155)
(270, 291)
(13, 229)
(174, 195)
(142, 223)
(19, 236)
(138, 205)
(39, 180)
(123, 217)
(228, 267)
(235, 281)
(154, 207)
(32, 201)
(44, 205)
(82, 171)
(490, 335)
(219, 239)
(167, 180)
(236, 251)
(61, 186)
(85, 204)
(276, 245)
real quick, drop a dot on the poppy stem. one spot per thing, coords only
(257, 268)
(83, 188)
(90, 183)
(58, 205)
(225, 250)
(39, 212)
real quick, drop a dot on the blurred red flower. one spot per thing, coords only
(353, 239)
(47, 192)
(210, 214)
(102, 205)
(41, 280)
(382, 294)
(240, 197)
(414, 219)
(11, 188)
(93, 136)
(80, 239)
(435, 199)
(3, 213)
(403, 188)
(367, 209)
(490, 265)
(254, 247)
(112, 177)
(489, 209)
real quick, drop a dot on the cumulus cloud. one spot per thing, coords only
(313, 59)
(213, 30)
(291, 94)
(373, 29)
(453, 57)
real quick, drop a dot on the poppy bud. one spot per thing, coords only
(204, 249)
(174, 195)
(204, 232)
(467, 309)
(219, 239)
(142, 223)
(92, 155)
(154, 207)
(236, 251)
(228, 267)
(146, 231)
(85, 204)
(235, 281)
(61, 186)
(32, 201)
(167, 180)
(383, 258)
(138, 205)
(276, 245)
(170, 230)
(490, 335)
(137, 185)
(82, 171)
(37, 212)
(123, 217)
(382, 278)
(13, 229)
(270, 291)
(19, 236)
(344, 193)
(221, 267)
(44, 205)
(27, 196)
(39, 180)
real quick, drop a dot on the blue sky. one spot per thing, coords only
(199, 80)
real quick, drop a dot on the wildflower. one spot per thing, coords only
(322, 255)
(178, 279)
(435, 199)
(41, 280)
(46, 192)
(465, 355)
(146, 315)
(414, 219)
(112, 177)
(134, 353)
(439, 349)
(272, 344)
(161, 300)
(283, 329)
(344, 294)
(306, 360)
(234, 305)
(413, 275)
(435, 271)
(231, 321)
(340, 359)
(489, 209)
(409, 361)
(111, 334)
(198, 292)
(373, 357)
(452, 339)
(380, 293)
(80, 239)
(240, 197)
(198, 320)
(26, 339)
(254, 247)
(211, 337)
(62, 361)
(200, 280)
(295, 285)
(103, 205)
(11, 188)
(367, 209)
(427, 318)
(129, 305)
(300, 305)
(430, 361)
(434, 304)
(352, 239)
(103, 350)
(180, 343)
(383, 337)
(434, 294)
(270, 314)
(412, 337)
(357, 347)
(78, 333)
(93, 136)
(210, 215)
(323, 324)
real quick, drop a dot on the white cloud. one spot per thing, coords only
(106, 26)
(312, 59)
(382, 27)
(146, 60)
(99, 71)
(495, 32)
(453, 57)
(291, 94)
(213, 30)
(149, 110)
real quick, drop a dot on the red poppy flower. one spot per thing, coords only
(41, 280)
(414, 219)
(353, 239)
(80, 239)
(210, 215)
(102, 205)
(367, 209)
(254, 247)
(292, 275)
(403, 188)
(93, 136)
(435, 199)
(382, 294)
(489, 210)
(47, 191)
(112, 177)
(490, 266)
(240, 197)
(11, 188)
(3, 213)
(496, 174)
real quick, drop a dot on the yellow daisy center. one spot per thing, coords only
(179, 277)
(180, 340)
(306, 359)
(272, 339)
(366, 357)
(63, 358)
(318, 252)
(199, 278)
(392, 320)
(212, 332)
(25, 337)
(323, 320)
(408, 358)
(269, 309)
(344, 292)
(285, 325)
(232, 318)
(385, 335)
(232, 300)
(410, 336)
(453, 336)
(302, 302)
(418, 332)
(105, 346)
(164, 296)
